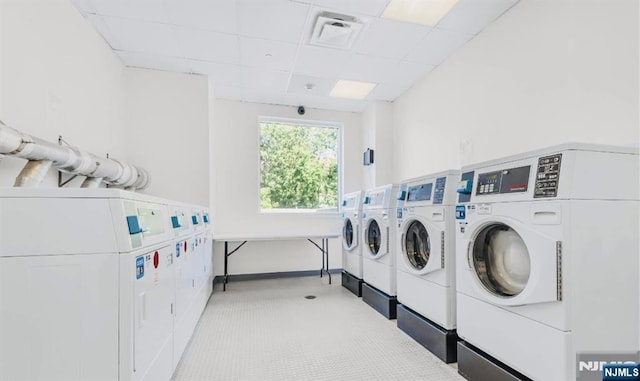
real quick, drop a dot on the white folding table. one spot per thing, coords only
(243, 239)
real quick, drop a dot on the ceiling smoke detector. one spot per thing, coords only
(333, 30)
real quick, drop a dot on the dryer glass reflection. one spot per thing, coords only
(374, 237)
(348, 233)
(417, 245)
(501, 260)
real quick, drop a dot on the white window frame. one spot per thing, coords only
(311, 123)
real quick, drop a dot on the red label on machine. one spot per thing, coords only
(156, 260)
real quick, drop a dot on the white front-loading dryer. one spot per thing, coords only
(378, 230)
(351, 234)
(352, 242)
(545, 242)
(426, 254)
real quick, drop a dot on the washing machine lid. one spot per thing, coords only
(514, 264)
(350, 234)
(422, 249)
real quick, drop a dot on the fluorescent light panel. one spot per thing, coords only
(352, 89)
(425, 12)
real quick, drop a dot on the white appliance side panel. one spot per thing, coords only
(61, 225)
(431, 300)
(604, 272)
(59, 317)
(380, 276)
(533, 349)
(352, 263)
(603, 176)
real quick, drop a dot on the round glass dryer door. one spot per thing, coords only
(417, 245)
(374, 237)
(347, 233)
(501, 260)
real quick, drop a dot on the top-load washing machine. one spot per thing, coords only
(378, 257)
(352, 242)
(547, 263)
(426, 262)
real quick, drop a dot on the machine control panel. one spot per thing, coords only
(511, 180)
(547, 176)
(376, 198)
(420, 192)
(438, 192)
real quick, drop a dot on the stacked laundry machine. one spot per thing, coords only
(379, 253)
(352, 242)
(547, 263)
(426, 262)
(87, 285)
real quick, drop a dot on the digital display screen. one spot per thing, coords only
(420, 192)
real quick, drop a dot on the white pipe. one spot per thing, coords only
(67, 159)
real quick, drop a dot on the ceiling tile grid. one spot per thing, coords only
(259, 50)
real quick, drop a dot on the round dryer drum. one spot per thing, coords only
(501, 260)
(347, 233)
(416, 245)
(374, 238)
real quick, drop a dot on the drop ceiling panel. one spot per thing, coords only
(321, 62)
(269, 54)
(354, 7)
(219, 74)
(390, 38)
(320, 86)
(144, 60)
(279, 20)
(265, 80)
(366, 68)
(437, 46)
(206, 45)
(471, 16)
(141, 36)
(143, 10)
(258, 50)
(218, 15)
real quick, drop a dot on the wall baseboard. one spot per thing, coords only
(275, 275)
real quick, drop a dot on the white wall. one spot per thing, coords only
(236, 208)
(168, 132)
(58, 77)
(546, 72)
(378, 134)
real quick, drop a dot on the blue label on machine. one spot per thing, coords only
(178, 250)
(139, 267)
(460, 212)
(194, 219)
(399, 213)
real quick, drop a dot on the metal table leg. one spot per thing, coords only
(226, 262)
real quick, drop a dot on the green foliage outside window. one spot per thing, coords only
(299, 166)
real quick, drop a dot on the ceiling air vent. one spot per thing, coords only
(333, 30)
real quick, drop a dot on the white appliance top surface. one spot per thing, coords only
(553, 149)
(272, 236)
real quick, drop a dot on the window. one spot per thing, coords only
(299, 165)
